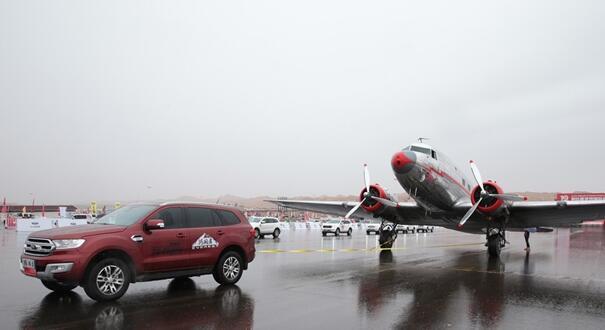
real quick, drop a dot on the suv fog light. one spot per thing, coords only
(59, 268)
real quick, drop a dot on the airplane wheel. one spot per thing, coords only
(386, 244)
(494, 245)
(386, 240)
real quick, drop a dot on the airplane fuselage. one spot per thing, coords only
(430, 178)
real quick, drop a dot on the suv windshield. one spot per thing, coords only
(334, 221)
(126, 216)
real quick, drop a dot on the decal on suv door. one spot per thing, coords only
(204, 242)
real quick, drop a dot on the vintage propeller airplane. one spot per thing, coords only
(444, 197)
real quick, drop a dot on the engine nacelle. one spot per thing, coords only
(371, 205)
(488, 205)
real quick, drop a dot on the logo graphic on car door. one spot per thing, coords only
(204, 242)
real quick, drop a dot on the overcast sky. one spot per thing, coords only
(101, 99)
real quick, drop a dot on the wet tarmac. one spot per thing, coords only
(303, 281)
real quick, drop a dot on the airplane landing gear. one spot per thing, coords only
(387, 235)
(495, 242)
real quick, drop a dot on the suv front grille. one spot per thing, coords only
(38, 247)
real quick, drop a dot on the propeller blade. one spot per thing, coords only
(469, 213)
(354, 209)
(366, 177)
(509, 197)
(386, 202)
(477, 175)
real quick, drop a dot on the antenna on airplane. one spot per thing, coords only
(421, 139)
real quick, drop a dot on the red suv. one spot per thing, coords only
(141, 242)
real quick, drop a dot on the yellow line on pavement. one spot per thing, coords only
(360, 250)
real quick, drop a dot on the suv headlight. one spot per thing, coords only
(62, 244)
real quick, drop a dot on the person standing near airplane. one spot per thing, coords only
(527, 231)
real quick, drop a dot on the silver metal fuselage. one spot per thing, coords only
(435, 184)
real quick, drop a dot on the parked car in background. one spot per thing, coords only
(373, 227)
(90, 218)
(336, 227)
(425, 229)
(265, 226)
(405, 229)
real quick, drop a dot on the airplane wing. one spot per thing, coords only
(338, 208)
(522, 214)
(554, 213)
(525, 214)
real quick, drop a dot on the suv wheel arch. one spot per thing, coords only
(113, 253)
(240, 251)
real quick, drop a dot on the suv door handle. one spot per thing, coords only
(220, 232)
(180, 235)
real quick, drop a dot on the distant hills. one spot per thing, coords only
(259, 201)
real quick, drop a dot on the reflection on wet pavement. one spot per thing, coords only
(183, 305)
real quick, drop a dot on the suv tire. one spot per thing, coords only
(256, 233)
(59, 287)
(349, 232)
(107, 280)
(229, 268)
(276, 233)
(337, 232)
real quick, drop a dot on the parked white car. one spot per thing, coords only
(425, 229)
(336, 227)
(373, 227)
(406, 229)
(265, 226)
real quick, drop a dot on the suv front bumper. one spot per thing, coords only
(56, 268)
(49, 271)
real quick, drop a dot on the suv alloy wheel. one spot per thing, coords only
(107, 280)
(229, 268)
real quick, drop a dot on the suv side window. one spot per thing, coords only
(173, 217)
(228, 218)
(202, 217)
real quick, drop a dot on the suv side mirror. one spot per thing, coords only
(154, 224)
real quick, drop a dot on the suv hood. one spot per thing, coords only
(77, 231)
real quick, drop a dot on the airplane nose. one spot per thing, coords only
(403, 161)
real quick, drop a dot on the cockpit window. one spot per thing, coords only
(425, 151)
